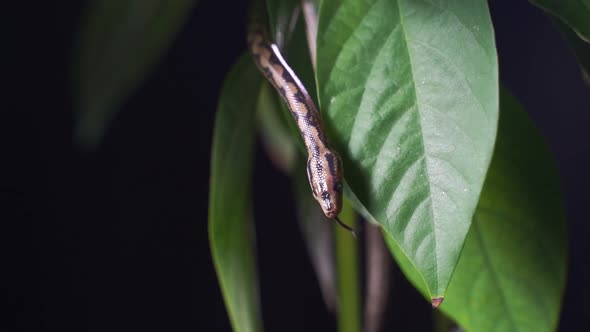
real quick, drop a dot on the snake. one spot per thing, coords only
(324, 165)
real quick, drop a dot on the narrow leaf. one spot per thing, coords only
(409, 90)
(580, 48)
(231, 233)
(511, 274)
(575, 13)
(119, 44)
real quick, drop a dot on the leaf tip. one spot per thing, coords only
(436, 302)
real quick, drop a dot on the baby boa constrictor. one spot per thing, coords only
(324, 167)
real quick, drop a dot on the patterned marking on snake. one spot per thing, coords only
(324, 169)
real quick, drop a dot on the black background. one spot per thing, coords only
(116, 239)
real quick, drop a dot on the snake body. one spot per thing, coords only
(324, 167)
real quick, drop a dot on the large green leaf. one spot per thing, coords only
(231, 233)
(410, 92)
(511, 274)
(575, 13)
(119, 44)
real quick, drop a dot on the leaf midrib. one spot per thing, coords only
(424, 150)
(414, 90)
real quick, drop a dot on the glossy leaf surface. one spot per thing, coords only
(409, 91)
(511, 274)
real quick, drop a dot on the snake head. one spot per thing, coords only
(324, 172)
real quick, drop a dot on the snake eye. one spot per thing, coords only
(338, 187)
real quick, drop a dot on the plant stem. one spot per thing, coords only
(347, 265)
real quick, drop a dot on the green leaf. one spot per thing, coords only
(119, 44)
(511, 274)
(442, 323)
(575, 13)
(231, 233)
(409, 91)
